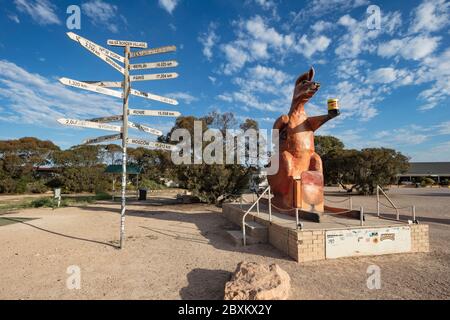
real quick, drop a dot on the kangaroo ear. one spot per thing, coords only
(308, 75)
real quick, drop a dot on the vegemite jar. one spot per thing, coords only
(333, 107)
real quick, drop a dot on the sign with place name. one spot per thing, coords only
(154, 65)
(143, 128)
(125, 43)
(106, 84)
(156, 113)
(154, 97)
(152, 51)
(112, 137)
(99, 48)
(157, 76)
(107, 119)
(151, 144)
(90, 87)
(93, 48)
(89, 124)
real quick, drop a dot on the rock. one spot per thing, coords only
(254, 281)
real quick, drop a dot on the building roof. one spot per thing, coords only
(428, 169)
(131, 169)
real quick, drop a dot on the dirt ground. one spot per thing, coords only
(176, 251)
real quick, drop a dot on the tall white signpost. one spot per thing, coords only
(103, 88)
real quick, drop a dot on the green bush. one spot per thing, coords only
(8, 185)
(37, 187)
(44, 202)
(151, 185)
(427, 182)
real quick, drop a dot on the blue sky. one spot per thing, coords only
(239, 56)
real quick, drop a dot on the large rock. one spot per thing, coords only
(254, 281)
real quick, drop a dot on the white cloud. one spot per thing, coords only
(309, 47)
(414, 48)
(389, 75)
(41, 11)
(316, 8)
(168, 5)
(102, 13)
(321, 26)
(185, 97)
(14, 18)
(236, 58)
(266, 4)
(32, 98)
(209, 39)
(431, 16)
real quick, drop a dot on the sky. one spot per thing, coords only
(388, 65)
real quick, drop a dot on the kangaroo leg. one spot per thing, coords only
(282, 182)
(316, 163)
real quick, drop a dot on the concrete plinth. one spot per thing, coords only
(336, 236)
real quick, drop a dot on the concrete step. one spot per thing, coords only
(257, 231)
(238, 239)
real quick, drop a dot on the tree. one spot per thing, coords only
(327, 144)
(213, 183)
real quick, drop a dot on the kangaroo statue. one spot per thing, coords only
(299, 164)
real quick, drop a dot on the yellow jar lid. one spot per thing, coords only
(333, 100)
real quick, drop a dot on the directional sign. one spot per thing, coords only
(157, 76)
(107, 119)
(154, 97)
(143, 128)
(94, 48)
(99, 48)
(156, 113)
(112, 137)
(124, 43)
(152, 51)
(89, 124)
(151, 144)
(154, 65)
(106, 84)
(90, 87)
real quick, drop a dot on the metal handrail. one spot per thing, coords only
(413, 208)
(257, 208)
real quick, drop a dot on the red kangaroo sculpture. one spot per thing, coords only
(297, 158)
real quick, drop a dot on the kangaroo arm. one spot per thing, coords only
(318, 121)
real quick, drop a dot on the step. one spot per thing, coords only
(238, 239)
(257, 230)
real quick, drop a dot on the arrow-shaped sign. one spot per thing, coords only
(143, 128)
(151, 144)
(89, 124)
(106, 84)
(99, 48)
(154, 65)
(125, 43)
(156, 113)
(157, 76)
(112, 137)
(154, 97)
(152, 51)
(107, 119)
(90, 87)
(94, 48)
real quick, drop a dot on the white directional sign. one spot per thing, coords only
(143, 128)
(90, 87)
(99, 48)
(155, 113)
(112, 137)
(89, 124)
(107, 119)
(157, 76)
(152, 51)
(94, 48)
(151, 144)
(154, 65)
(106, 84)
(124, 43)
(154, 97)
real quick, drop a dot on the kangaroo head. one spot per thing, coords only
(305, 88)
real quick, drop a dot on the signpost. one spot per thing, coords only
(102, 87)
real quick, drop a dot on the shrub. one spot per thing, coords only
(37, 187)
(427, 182)
(44, 202)
(151, 184)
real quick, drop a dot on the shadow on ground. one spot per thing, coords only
(204, 284)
